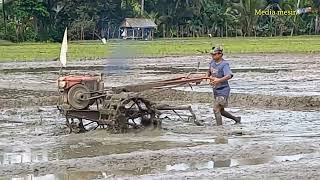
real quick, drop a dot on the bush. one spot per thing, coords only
(30, 34)
(11, 32)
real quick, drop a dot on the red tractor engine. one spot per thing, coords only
(77, 91)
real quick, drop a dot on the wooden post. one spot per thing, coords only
(142, 37)
(151, 34)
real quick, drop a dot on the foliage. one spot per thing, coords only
(159, 47)
(45, 20)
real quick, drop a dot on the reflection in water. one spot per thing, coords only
(32, 177)
(79, 150)
(221, 140)
(29, 155)
(232, 163)
(137, 171)
(77, 175)
(92, 149)
(199, 166)
(84, 175)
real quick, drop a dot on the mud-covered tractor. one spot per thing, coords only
(87, 104)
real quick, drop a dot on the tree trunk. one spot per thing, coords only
(226, 29)
(80, 33)
(108, 36)
(317, 25)
(236, 31)
(192, 32)
(203, 30)
(171, 33)
(114, 31)
(255, 32)
(83, 33)
(271, 27)
(142, 7)
(4, 18)
(93, 31)
(294, 25)
(177, 30)
(102, 33)
(152, 34)
(164, 30)
(182, 33)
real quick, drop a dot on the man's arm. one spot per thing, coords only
(225, 78)
(228, 75)
(208, 72)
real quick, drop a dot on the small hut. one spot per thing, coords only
(137, 28)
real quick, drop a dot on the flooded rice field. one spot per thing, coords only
(277, 96)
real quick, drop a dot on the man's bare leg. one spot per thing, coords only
(226, 114)
(217, 114)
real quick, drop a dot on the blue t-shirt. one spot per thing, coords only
(220, 70)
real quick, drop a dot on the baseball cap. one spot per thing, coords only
(216, 50)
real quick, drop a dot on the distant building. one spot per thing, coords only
(137, 28)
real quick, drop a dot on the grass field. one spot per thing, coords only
(157, 48)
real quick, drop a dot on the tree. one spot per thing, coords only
(25, 15)
(246, 14)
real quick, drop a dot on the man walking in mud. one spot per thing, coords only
(220, 71)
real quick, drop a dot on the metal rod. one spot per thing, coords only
(178, 114)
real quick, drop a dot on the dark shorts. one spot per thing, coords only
(221, 100)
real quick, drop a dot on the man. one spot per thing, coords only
(220, 71)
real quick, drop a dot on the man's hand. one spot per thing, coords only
(198, 82)
(215, 81)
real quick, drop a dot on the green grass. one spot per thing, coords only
(157, 48)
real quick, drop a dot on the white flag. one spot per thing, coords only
(64, 49)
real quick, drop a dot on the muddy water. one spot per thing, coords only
(37, 140)
(279, 74)
(37, 135)
(276, 95)
(60, 176)
(201, 165)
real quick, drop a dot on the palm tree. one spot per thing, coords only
(4, 17)
(246, 14)
(142, 7)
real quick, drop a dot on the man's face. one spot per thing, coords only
(216, 56)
